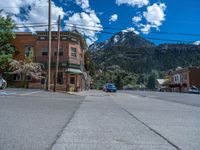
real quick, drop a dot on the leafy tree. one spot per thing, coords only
(27, 69)
(151, 82)
(89, 64)
(6, 36)
(119, 82)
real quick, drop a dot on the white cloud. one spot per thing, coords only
(84, 4)
(131, 30)
(145, 28)
(197, 43)
(133, 3)
(86, 23)
(37, 14)
(113, 18)
(155, 14)
(136, 19)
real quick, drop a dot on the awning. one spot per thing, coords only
(73, 71)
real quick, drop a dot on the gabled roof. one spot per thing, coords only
(161, 81)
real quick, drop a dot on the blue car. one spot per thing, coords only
(109, 87)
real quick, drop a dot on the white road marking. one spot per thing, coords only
(151, 96)
(24, 94)
(133, 96)
(7, 93)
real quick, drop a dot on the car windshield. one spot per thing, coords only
(111, 86)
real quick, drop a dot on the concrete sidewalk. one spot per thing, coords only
(100, 124)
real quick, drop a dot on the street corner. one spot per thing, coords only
(18, 92)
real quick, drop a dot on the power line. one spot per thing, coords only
(33, 26)
(32, 23)
(120, 29)
(22, 7)
(103, 32)
(172, 33)
(151, 38)
(116, 29)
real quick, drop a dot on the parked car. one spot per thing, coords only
(3, 83)
(194, 90)
(109, 87)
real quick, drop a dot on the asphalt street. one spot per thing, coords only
(95, 120)
(182, 98)
(33, 119)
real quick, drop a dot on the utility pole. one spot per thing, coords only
(49, 50)
(57, 58)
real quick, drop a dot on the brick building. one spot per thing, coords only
(184, 78)
(71, 57)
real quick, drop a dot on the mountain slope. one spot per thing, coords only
(141, 56)
(124, 38)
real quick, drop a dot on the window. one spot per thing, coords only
(42, 38)
(72, 80)
(177, 78)
(61, 52)
(73, 52)
(42, 81)
(17, 77)
(44, 51)
(28, 78)
(74, 40)
(28, 51)
(64, 38)
(60, 78)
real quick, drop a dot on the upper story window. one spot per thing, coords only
(28, 51)
(42, 38)
(74, 39)
(73, 52)
(64, 38)
(44, 51)
(61, 52)
(177, 78)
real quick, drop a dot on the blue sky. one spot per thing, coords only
(180, 17)
(142, 16)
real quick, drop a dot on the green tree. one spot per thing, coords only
(6, 36)
(151, 82)
(89, 64)
(119, 82)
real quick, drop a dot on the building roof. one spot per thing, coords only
(23, 33)
(62, 33)
(161, 81)
(181, 70)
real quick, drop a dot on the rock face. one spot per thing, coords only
(133, 53)
(124, 38)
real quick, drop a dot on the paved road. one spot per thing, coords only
(182, 98)
(129, 122)
(32, 119)
(38, 120)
